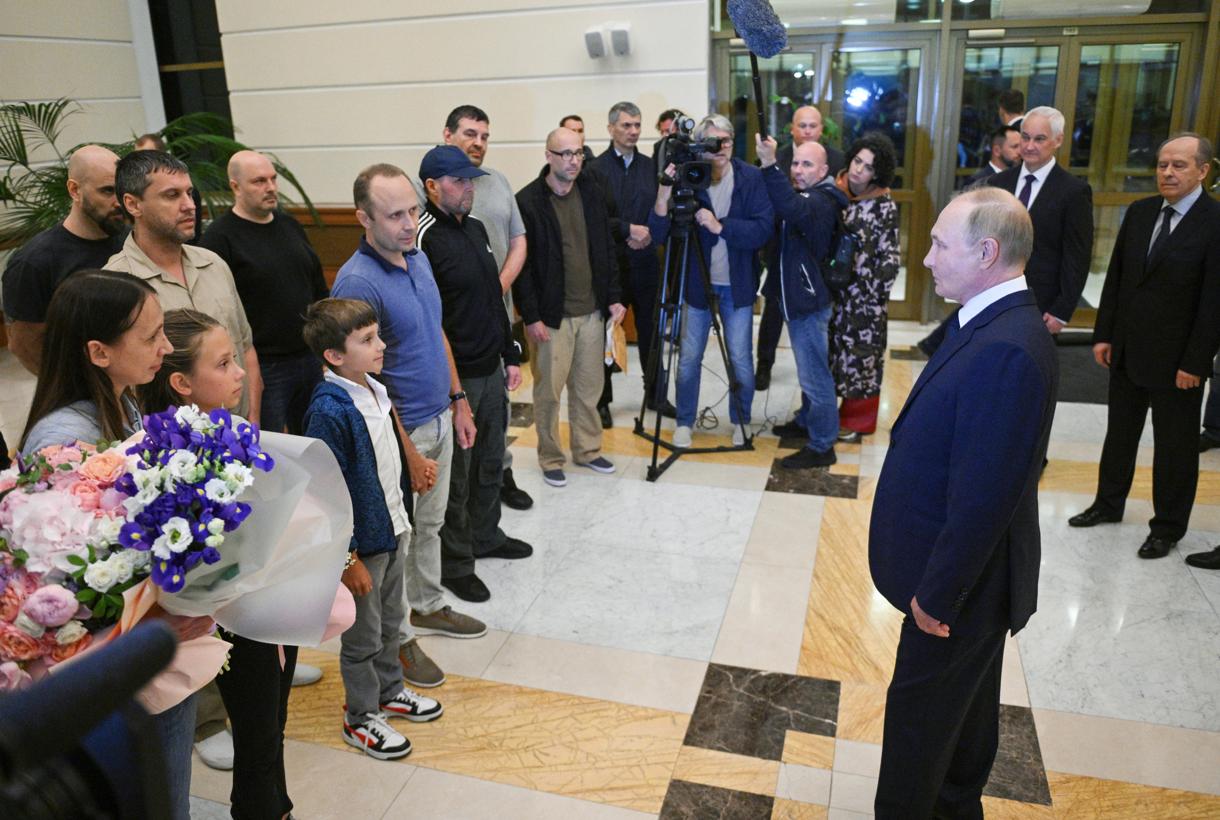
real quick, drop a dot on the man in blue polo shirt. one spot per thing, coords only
(419, 373)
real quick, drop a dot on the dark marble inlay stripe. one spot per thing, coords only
(811, 482)
(1018, 773)
(747, 712)
(694, 801)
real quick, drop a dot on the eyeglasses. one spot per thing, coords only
(568, 156)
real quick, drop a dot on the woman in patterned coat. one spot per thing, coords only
(858, 323)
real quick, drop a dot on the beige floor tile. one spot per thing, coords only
(804, 784)
(786, 529)
(1081, 476)
(727, 771)
(639, 678)
(329, 783)
(464, 657)
(861, 711)
(1087, 798)
(854, 757)
(793, 810)
(1145, 753)
(996, 809)
(853, 792)
(439, 795)
(815, 751)
(843, 814)
(762, 625)
(1013, 690)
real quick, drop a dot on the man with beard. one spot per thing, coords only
(154, 190)
(92, 232)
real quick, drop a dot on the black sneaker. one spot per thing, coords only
(790, 429)
(805, 458)
(468, 588)
(512, 549)
(512, 496)
(373, 735)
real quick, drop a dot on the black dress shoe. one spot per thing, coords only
(1206, 443)
(468, 588)
(806, 458)
(603, 411)
(511, 549)
(790, 429)
(762, 376)
(513, 496)
(1156, 547)
(666, 407)
(1092, 517)
(1205, 560)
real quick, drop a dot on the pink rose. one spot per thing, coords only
(88, 496)
(13, 677)
(104, 467)
(57, 455)
(7, 482)
(15, 645)
(10, 603)
(61, 653)
(111, 501)
(51, 606)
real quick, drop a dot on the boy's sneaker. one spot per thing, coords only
(373, 735)
(417, 668)
(448, 623)
(412, 706)
(555, 477)
(682, 437)
(599, 464)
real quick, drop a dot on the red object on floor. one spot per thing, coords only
(859, 414)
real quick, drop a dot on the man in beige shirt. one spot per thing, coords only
(154, 189)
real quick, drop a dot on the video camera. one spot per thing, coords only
(682, 151)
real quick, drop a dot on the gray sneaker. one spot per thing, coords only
(417, 668)
(445, 621)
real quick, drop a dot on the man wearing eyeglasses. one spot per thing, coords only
(567, 289)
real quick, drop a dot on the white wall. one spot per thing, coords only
(331, 87)
(83, 50)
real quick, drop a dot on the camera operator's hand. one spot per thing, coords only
(639, 237)
(706, 219)
(766, 150)
(538, 331)
(617, 313)
(665, 191)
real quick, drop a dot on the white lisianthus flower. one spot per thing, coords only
(29, 626)
(217, 490)
(190, 416)
(101, 575)
(216, 526)
(107, 529)
(123, 566)
(136, 504)
(182, 465)
(214, 540)
(139, 559)
(70, 633)
(238, 476)
(174, 538)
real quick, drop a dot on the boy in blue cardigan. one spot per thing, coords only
(351, 412)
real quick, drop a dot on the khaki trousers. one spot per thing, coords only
(573, 358)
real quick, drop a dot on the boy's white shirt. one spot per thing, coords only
(374, 405)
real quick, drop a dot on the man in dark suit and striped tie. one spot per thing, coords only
(1157, 331)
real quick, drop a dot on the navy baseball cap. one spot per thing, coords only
(448, 161)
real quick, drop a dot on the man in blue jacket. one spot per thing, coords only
(734, 221)
(807, 206)
(954, 541)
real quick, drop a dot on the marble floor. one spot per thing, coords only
(710, 645)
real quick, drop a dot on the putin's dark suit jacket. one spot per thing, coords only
(1062, 215)
(1162, 314)
(955, 520)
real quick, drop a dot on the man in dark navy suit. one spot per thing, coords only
(954, 541)
(1157, 331)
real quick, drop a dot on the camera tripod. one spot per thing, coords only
(667, 338)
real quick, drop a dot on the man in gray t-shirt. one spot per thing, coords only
(495, 205)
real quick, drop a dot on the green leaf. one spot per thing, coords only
(86, 596)
(76, 561)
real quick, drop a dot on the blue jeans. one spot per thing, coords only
(738, 327)
(176, 729)
(819, 413)
(287, 388)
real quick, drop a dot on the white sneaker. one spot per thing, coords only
(739, 437)
(304, 674)
(216, 751)
(681, 437)
(374, 736)
(412, 706)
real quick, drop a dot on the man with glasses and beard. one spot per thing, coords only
(92, 232)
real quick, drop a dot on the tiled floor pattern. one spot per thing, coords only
(711, 646)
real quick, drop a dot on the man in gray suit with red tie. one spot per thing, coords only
(1157, 331)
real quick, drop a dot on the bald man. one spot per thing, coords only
(92, 232)
(807, 127)
(278, 276)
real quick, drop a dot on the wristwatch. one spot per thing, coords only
(456, 397)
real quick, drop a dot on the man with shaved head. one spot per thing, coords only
(278, 276)
(567, 290)
(93, 230)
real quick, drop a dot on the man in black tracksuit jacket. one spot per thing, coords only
(473, 317)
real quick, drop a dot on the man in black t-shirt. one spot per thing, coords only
(278, 276)
(93, 231)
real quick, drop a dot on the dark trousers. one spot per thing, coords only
(472, 517)
(1175, 459)
(287, 387)
(942, 714)
(1211, 410)
(769, 329)
(255, 692)
(644, 304)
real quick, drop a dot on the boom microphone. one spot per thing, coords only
(765, 36)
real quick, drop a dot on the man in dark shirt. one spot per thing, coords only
(474, 321)
(278, 276)
(631, 179)
(93, 231)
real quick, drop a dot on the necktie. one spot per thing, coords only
(1029, 185)
(1162, 236)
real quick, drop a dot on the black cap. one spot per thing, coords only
(448, 161)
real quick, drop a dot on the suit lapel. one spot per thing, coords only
(1192, 221)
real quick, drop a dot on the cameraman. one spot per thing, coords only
(808, 216)
(735, 220)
